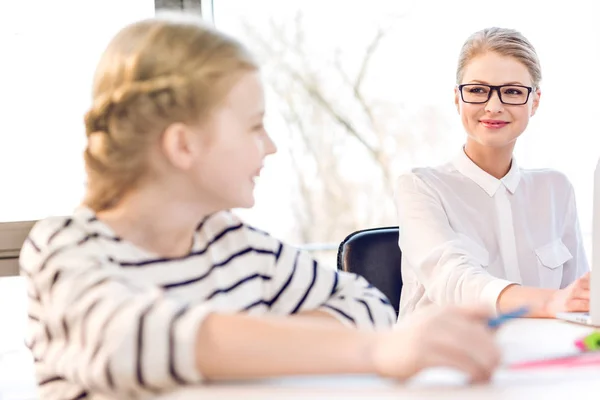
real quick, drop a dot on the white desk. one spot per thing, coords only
(520, 339)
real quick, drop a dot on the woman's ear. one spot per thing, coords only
(536, 101)
(457, 99)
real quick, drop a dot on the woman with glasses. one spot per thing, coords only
(479, 229)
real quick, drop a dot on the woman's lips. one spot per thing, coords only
(493, 124)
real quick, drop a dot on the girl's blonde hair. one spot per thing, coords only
(506, 42)
(154, 73)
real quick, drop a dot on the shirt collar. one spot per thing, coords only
(487, 182)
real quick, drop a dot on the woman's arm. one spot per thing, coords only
(452, 275)
(546, 303)
(439, 256)
(515, 296)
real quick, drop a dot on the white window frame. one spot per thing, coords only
(206, 9)
(187, 5)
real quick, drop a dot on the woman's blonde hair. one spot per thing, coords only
(154, 73)
(503, 41)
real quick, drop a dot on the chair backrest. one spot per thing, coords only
(374, 254)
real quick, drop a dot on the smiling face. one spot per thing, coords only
(230, 161)
(494, 124)
(213, 165)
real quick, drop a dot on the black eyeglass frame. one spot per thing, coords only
(492, 89)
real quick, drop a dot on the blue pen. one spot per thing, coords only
(502, 318)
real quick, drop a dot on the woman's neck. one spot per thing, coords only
(494, 161)
(155, 221)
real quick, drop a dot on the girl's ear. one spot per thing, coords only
(179, 145)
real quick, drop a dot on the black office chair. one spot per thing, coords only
(374, 254)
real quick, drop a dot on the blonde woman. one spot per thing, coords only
(479, 229)
(152, 284)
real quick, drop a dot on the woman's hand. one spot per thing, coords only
(573, 298)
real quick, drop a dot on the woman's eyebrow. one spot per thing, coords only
(506, 83)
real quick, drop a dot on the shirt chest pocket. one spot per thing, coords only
(550, 259)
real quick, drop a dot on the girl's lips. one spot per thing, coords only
(256, 175)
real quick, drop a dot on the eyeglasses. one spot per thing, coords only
(478, 93)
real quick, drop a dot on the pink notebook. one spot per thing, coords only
(572, 361)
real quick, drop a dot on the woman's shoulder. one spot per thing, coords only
(546, 177)
(424, 178)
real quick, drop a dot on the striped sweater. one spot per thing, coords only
(107, 318)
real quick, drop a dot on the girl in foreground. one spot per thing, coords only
(152, 284)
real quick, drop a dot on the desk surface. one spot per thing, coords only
(521, 340)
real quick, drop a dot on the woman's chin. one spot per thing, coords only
(496, 139)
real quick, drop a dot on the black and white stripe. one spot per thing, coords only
(105, 315)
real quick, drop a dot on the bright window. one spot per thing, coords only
(338, 145)
(49, 52)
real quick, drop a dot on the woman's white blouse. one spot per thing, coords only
(465, 235)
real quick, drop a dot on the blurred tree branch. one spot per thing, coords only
(331, 121)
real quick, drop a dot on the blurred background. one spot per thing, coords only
(358, 92)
